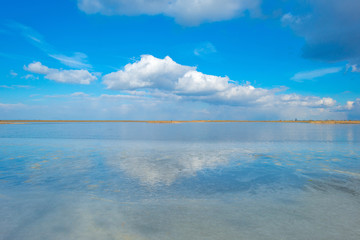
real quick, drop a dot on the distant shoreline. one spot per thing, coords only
(180, 121)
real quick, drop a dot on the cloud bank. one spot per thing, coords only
(185, 81)
(160, 88)
(164, 78)
(185, 12)
(63, 76)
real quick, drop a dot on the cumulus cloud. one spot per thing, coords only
(185, 12)
(71, 76)
(37, 67)
(194, 82)
(307, 101)
(238, 95)
(164, 78)
(349, 105)
(148, 72)
(63, 76)
(308, 75)
(352, 108)
(331, 29)
(164, 74)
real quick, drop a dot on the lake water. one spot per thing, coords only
(179, 181)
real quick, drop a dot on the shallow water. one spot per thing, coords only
(179, 181)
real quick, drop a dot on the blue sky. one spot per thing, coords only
(180, 59)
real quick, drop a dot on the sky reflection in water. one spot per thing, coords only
(186, 181)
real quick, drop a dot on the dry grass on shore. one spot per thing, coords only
(10, 122)
(334, 122)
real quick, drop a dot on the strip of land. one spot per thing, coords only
(10, 122)
(180, 121)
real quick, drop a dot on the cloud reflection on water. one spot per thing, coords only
(163, 164)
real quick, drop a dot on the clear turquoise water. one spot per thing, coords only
(179, 181)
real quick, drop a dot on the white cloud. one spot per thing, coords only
(22, 86)
(30, 76)
(72, 95)
(152, 106)
(289, 19)
(71, 76)
(349, 105)
(185, 12)
(63, 76)
(8, 106)
(78, 60)
(12, 73)
(205, 49)
(37, 67)
(197, 82)
(353, 108)
(166, 79)
(307, 101)
(355, 68)
(79, 94)
(5, 86)
(240, 95)
(148, 72)
(308, 75)
(164, 74)
(189, 12)
(123, 7)
(14, 86)
(154, 88)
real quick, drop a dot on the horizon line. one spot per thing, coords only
(185, 121)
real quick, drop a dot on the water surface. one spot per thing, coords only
(179, 181)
